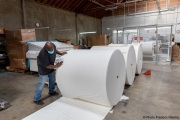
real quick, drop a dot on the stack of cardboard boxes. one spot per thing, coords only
(17, 47)
(97, 40)
(175, 53)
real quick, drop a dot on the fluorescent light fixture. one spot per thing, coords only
(114, 28)
(131, 31)
(62, 30)
(112, 8)
(110, 28)
(119, 31)
(157, 28)
(82, 33)
(42, 28)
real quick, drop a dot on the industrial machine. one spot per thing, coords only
(35, 47)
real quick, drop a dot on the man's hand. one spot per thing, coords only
(59, 64)
(63, 53)
(54, 66)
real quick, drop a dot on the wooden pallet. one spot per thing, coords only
(175, 58)
(9, 69)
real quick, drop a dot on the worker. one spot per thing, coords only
(173, 43)
(45, 61)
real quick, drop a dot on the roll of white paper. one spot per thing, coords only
(139, 56)
(92, 75)
(148, 47)
(129, 56)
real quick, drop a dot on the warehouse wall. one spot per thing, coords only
(57, 20)
(10, 14)
(88, 24)
(169, 17)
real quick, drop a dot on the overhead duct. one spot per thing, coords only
(148, 12)
(132, 1)
(112, 7)
(93, 1)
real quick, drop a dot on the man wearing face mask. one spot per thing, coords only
(45, 61)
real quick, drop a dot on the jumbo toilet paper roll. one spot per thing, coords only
(130, 61)
(93, 76)
(139, 57)
(148, 47)
(129, 56)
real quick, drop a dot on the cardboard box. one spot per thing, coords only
(64, 41)
(175, 51)
(175, 54)
(78, 47)
(28, 34)
(17, 51)
(175, 48)
(18, 63)
(97, 40)
(69, 42)
(1, 30)
(175, 58)
(102, 40)
(15, 36)
(90, 40)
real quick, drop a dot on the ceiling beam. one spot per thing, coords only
(81, 7)
(95, 2)
(56, 3)
(85, 7)
(109, 1)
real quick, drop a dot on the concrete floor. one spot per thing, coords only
(154, 95)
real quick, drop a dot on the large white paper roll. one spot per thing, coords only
(139, 56)
(129, 56)
(93, 76)
(148, 47)
(70, 109)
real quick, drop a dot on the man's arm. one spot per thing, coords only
(61, 53)
(54, 66)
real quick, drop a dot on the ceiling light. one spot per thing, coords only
(119, 31)
(131, 31)
(62, 30)
(82, 33)
(112, 8)
(157, 28)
